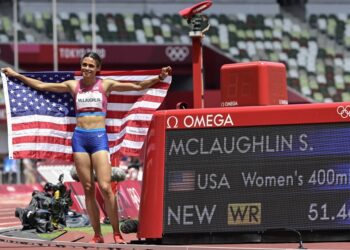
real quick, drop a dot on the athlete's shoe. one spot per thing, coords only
(118, 238)
(96, 239)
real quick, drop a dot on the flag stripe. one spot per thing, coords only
(130, 106)
(32, 127)
(117, 118)
(34, 154)
(41, 139)
(49, 147)
(134, 98)
(41, 124)
(111, 73)
(43, 118)
(51, 129)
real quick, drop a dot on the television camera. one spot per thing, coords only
(47, 210)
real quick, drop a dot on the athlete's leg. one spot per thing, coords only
(100, 161)
(85, 172)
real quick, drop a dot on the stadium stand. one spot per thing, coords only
(315, 49)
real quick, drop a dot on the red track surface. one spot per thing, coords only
(8, 203)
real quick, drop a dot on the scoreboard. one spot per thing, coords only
(247, 169)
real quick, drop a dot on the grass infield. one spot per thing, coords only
(106, 229)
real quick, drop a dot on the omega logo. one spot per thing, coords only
(172, 122)
(206, 120)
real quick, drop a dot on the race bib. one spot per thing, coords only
(89, 100)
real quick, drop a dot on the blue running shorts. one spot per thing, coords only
(89, 140)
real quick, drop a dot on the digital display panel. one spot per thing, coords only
(256, 178)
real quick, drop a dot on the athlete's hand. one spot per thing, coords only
(164, 72)
(9, 72)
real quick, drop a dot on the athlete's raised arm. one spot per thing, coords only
(66, 86)
(127, 86)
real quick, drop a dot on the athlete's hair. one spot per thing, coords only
(94, 56)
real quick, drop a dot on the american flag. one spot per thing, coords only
(181, 180)
(41, 124)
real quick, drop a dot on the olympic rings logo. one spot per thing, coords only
(177, 53)
(344, 112)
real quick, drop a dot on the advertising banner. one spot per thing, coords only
(128, 193)
(116, 54)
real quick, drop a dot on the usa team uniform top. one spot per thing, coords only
(90, 100)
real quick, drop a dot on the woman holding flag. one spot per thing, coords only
(89, 141)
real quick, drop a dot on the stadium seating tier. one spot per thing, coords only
(314, 52)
